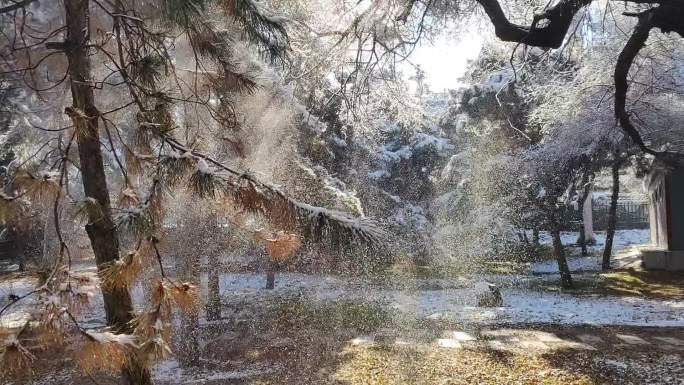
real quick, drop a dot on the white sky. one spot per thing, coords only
(445, 61)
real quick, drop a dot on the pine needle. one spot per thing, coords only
(161, 299)
(122, 272)
(283, 246)
(148, 70)
(150, 324)
(154, 349)
(140, 221)
(134, 161)
(75, 299)
(43, 188)
(206, 184)
(11, 209)
(16, 359)
(217, 44)
(128, 198)
(88, 210)
(176, 167)
(105, 352)
(265, 30)
(315, 223)
(186, 296)
(49, 334)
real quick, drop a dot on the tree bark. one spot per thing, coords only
(101, 230)
(563, 268)
(189, 352)
(667, 15)
(559, 253)
(551, 35)
(213, 308)
(582, 241)
(586, 189)
(270, 275)
(612, 216)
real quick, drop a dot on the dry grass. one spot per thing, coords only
(359, 316)
(651, 284)
(428, 364)
(624, 283)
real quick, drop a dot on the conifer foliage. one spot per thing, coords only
(134, 119)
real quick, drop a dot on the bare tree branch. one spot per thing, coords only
(668, 19)
(551, 35)
(17, 5)
(666, 15)
(635, 43)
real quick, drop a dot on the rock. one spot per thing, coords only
(488, 295)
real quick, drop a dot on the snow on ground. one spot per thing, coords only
(457, 302)
(623, 239)
(90, 317)
(16, 316)
(169, 371)
(454, 299)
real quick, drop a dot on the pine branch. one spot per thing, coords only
(262, 29)
(315, 223)
(207, 40)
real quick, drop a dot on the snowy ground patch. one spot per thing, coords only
(623, 240)
(459, 303)
(170, 372)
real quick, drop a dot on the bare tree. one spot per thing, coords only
(550, 27)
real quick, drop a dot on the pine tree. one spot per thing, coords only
(138, 147)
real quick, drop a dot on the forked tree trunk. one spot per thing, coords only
(612, 216)
(101, 230)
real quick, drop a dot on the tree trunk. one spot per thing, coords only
(213, 289)
(586, 189)
(270, 275)
(582, 241)
(612, 216)
(559, 253)
(101, 230)
(535, 236)
(566, 277)
(44, 263)
(213, 307)
(189, 352)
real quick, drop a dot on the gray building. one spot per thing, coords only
(666, 213)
